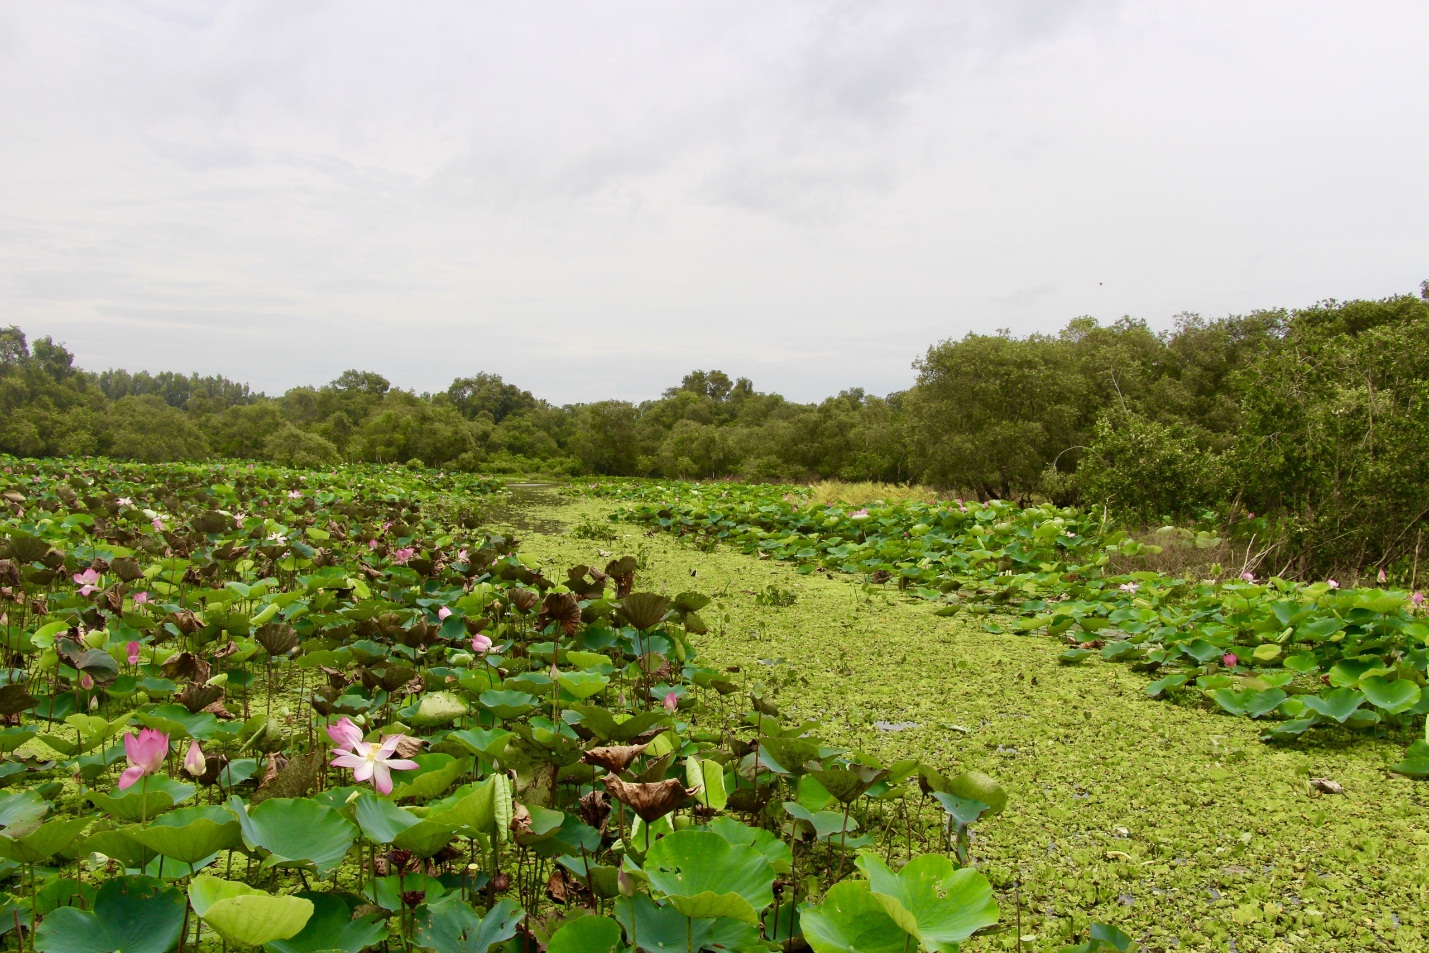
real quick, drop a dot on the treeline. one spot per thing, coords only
(1311, 422)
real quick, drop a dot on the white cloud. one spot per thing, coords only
(591, 199)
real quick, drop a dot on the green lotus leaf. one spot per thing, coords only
(435, 708)
(178, 722)
(660, 928)
(488, 743)
(148, 798)
(189, 834)
(1339, 704)
(507, 704)
(131, 914)
(851, 920)
(1416, 761)
(774, 850)
(451, 926)
(42, 843)
(295, 833)
(931, 900)
(20, 813)
(1393, 696)
(848, 784)
(964, 810)
(470, 810)
(708, 778)
(582, 685)
(976, 786)
(434, 774)
(586, 935)
(331, 928)
(705, 875)
(387, 891)
(385, 823)
(244, 915)
(1249, 702)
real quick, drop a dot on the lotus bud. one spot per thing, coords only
(444, 613)
(131, 653)
(672, 702)
(194, 762)
(1382, 578)
(86, 681)
(625, 883)
(1229, 660)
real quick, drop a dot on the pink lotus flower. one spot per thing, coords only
(1332, 584)
(238, 518)
(1229, 660)
(461, 556)
(444, 613)
(131, 652)
(1128, 587)
(295, 494)
(141, 598)
(1247, 577)
(402, 556)
(146, 751)
(1381, 578)
(480, 644)
(158, 524)
(672, 702)
(87, 580)
(372, 544)
(1417, 598)
(859, 514)
(86, 681)
(344, 733)
(373, 762)
(125, 501)
(194, 762)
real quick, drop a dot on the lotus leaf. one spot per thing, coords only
(451, 926)
(295, 833)
(704, 875)
(851, 920)
(131, 914)
(931, 900)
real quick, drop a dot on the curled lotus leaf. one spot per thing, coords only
(650, 801)
(614, 757)
(644, 610)
(562, 608)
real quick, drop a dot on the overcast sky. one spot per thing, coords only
(593, 198)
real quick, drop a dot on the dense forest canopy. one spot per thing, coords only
(1317, 418)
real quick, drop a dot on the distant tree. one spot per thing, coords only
(489, 394)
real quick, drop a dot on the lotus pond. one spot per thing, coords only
(334, 711)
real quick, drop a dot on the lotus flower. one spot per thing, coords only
(131, 653)
(238, 518)
(480, 644)
(141, 598)
(401, 556)
(158, 524)
(444, 613)
(87, 580)
(125, 501)
(146, 751)
(194, 762)
(344, 733)
(1128, 587)
(672, 702)
(1332, 584)
(461, 556)
(1247, 577)
(374, 762)
(1417, 598)
(859, 514)
(1229, 660)
(86, 681)
(295, 494)
(1381, 578)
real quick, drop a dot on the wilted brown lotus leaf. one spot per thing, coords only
(197, 696)
(560, 607)
(595, 808)
(523, 599)
(649, 801)
(520, 819)
(407, 746)
(614, 757)
(186, 621)
(225, 651)
(186, 665)
(277, 638)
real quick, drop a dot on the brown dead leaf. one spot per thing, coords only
(649, 801)
(614, 758)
